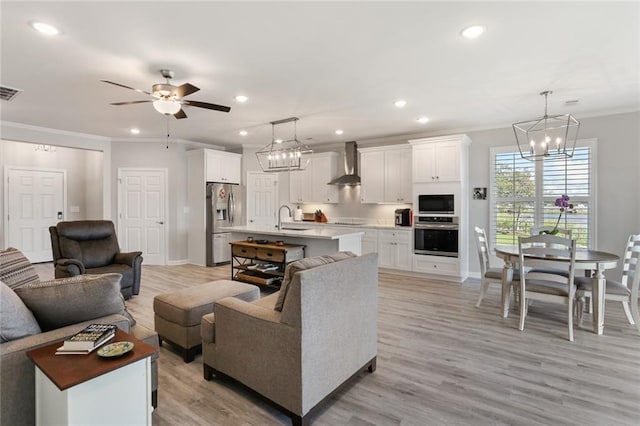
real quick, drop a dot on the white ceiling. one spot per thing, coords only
(333, 64)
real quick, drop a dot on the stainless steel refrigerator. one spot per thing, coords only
(222, 210)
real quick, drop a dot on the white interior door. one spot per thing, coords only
(35, 200)
(142, 213)
(262, 193)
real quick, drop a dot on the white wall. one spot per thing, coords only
(618, 179)
(84, 192)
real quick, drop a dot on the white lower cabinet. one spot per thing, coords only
(439, 265)
(394, 249)
(370, 241)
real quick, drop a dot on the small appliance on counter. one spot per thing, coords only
(403, 217)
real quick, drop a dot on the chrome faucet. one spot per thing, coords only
(279, 217)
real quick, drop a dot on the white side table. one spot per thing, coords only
(90, 390)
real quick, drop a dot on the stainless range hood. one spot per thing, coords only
(350, 177)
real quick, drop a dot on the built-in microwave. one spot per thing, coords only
(435, 204)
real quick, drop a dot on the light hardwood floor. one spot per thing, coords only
(441, 361)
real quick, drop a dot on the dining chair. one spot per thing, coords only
(549, 265)
(625, 291)
(488, 274)
(565, 233)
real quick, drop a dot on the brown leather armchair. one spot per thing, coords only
(91, 247)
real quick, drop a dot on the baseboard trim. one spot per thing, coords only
(177, 262)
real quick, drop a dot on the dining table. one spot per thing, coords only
(593, 261)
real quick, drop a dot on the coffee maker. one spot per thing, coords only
(403, 217)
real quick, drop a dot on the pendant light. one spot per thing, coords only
(284, 155)
(547, 137)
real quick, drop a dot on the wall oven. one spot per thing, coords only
(435, 204)
(436, 235)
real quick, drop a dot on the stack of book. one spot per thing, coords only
(85, 341)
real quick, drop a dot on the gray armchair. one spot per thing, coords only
(298, 356)
(91, 247)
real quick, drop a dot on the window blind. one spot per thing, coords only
(524, 193)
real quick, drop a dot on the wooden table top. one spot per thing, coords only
(582, 255)
(66, 371)
(269, 245)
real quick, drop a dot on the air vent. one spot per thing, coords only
(8, 93)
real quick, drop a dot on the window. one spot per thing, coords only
(524, 193)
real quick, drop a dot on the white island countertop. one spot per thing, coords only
(317, 241)
(311, 232)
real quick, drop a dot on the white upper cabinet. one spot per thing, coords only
(438, 159)
(371, 176)
(325, 168)
(223, 166)
(397, 166)
(310, 185)
(385, 174)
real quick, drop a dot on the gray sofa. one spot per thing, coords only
(37, 313)
(297, 357)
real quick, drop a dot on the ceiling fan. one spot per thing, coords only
(168, 99)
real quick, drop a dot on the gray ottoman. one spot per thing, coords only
(177, 315)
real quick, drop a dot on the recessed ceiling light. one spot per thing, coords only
(243, 133)
(45, 28)
(473, 31)
(242, 98)
(400, 103)
(339, 132)
(135, 131)
(423, 120)
(278, 141)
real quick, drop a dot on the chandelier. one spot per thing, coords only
(546, 137)
(282, 155)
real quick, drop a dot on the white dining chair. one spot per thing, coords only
(549, 262)
(488, 274)
(625, 290)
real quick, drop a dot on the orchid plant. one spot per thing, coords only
(565, 206)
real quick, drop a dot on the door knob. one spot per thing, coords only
(160, 223)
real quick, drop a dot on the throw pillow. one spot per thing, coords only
(15, 269)
(303, 264)
(66, 301)
(17, 319)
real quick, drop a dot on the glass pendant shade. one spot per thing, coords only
(165, 106)
(548, 136)
(287, 155)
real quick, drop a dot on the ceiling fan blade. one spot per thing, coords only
(180, 114)
(126, 87)
(207, 105)
(130, 102)
(185, 89)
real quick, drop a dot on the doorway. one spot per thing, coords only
(262, 195)
(35, 199)
(143, 214)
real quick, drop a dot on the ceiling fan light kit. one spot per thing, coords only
(284, 155)
(166, 106)
(548, 136)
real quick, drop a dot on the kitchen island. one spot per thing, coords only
(317, 241)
